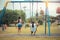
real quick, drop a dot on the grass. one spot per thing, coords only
(40, 30)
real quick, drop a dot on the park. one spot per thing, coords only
(47, 26)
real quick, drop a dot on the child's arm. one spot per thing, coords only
(17, 26)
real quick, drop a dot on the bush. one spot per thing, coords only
(40, 22)
(27, 25)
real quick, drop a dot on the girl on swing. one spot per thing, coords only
(19, 24)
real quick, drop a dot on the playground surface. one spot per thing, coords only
(29, 38)
(11, 34)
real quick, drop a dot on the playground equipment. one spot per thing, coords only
(47, 11)
(3, 12)
(58, 10)
(58, 16)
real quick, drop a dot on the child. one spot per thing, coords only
(19, 24)
(33, 28)
(4, 27)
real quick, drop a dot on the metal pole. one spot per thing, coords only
(25, 12)
(32, 10)
(20, 5)
(45, 21)
(13, 7)
(48, 18)
(34, 1)
(45, 24)
(37, 11)
(37, 6)
(20, 8)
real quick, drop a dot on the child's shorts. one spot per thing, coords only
(19, 25)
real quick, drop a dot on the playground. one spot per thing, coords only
(33, 22)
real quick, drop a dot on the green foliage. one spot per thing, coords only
(12, 15)
(21, 14)
(40, 22)
(27, 25)
(30, 19)
(9, 16)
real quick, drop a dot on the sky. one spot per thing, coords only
(52, 7)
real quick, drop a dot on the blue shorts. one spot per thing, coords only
(19, 25)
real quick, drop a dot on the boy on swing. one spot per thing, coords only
(33, 28)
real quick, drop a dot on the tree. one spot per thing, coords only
(21, 14)
(10, 16)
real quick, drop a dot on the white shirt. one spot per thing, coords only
(33, 28)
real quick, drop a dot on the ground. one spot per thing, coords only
(11, 33)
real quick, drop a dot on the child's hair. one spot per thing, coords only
(32, 24)
(19, 17)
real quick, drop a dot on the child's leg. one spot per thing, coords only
(34, 32)
(31, 32)
(5, 26)
(19, 29)
(2, 28)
